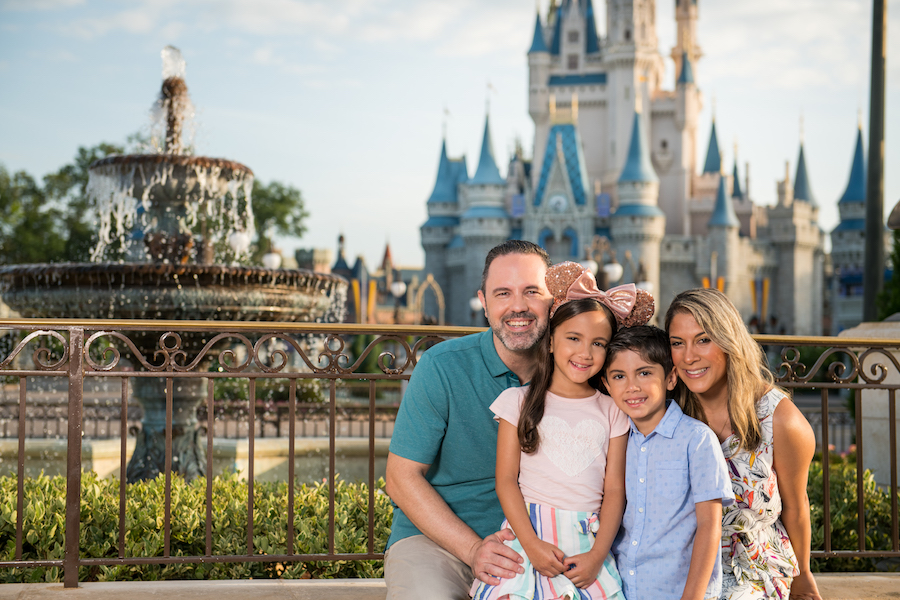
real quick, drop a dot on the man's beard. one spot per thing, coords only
(519, 342)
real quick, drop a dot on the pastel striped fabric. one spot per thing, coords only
(570, 531)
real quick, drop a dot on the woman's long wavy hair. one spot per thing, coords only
(747, 375)
(535, 399)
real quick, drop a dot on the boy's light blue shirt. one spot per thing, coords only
(445, 421)
(666, 473)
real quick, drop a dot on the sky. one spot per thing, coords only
(347, 99)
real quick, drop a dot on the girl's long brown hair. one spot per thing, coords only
(746, 373)
(535, 398)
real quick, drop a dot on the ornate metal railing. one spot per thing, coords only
(184, 365)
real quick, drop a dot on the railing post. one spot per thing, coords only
(73, 457)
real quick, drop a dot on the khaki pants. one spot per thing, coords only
(416, 568)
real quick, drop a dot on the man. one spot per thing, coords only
(440, 469)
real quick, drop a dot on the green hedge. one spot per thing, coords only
(844, 525)
(45, 515)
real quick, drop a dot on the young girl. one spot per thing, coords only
(561, 448)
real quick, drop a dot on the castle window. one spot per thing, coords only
(573, 37)
(573, 62)
(627, 35)
(664, 144)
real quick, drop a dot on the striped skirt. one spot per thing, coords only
(573, 533)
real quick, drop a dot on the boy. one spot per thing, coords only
(676, 480)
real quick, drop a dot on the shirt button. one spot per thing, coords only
(634, 543)
(640, 510)
(641, 480)
(643, 449)
(631, 572)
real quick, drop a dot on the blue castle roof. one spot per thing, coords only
(537, 43)
(574, 159)
(487, 172)
(444, 185)
(802, 191)
(557, 31)
(713, 158)
(591, 40)
(736, 188)
(723, 212)
(856, 186)
(638, 166)
(687, 71)
(485, 212)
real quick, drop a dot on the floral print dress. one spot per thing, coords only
(757, 557)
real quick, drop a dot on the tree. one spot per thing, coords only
(888, 300)
(31, 230)
(68, 188)
(277, 208)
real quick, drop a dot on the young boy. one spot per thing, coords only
(676, 480)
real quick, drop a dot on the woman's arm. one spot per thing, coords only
(587, 565)
(795, 445)
(546, 558)
(707, 542)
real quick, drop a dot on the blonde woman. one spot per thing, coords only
(768, 445)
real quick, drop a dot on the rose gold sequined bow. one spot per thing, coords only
(570, 281)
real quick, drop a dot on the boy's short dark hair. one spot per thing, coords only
(651, 343)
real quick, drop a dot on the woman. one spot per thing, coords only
(767, 442)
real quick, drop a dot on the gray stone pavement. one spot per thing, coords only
(833, 586)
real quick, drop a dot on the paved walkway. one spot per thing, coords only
(836, 586)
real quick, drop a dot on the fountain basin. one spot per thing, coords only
(167, 291)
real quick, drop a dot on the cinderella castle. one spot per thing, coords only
(614, 177)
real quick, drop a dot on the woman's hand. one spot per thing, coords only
(546, 558)
(583, 568)
(803, 587)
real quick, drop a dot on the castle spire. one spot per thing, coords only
(591, 41)
(637, 165)
(736, 188)
(537, 43)
(444, 185)
(856, 186)
(713, 158)
(723, 214)
(487, 172)
(802, 190)
(687, 71)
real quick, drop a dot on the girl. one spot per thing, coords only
(768, 445)
(561, 448)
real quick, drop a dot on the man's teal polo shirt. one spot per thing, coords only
(445, 421)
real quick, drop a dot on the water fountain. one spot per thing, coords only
(173, 228)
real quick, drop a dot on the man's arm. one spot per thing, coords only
(706, 545)
(489, 558)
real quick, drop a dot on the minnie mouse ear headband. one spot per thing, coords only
(570, 281)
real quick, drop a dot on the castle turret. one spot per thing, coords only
(484, 223)
(638, 225)
(713, 162)
(723, 230)
(687, 107)
(686, 14)
(802, 189)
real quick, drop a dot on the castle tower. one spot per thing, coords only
(798, 243)
(638, 225)
(681, 175)
(723, 230)
(634, 69)
(538, 90)
(484, 223)
(443, 222)
(686, 14)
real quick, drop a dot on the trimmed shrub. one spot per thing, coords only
(44, 527)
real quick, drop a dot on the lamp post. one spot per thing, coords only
(474, 306)
(610, 272)
(398, 288)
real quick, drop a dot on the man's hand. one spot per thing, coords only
(546, 558)
(583, 568)
(492, 560)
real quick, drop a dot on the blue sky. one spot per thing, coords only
(345, 99)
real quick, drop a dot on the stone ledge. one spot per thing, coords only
(833, 586)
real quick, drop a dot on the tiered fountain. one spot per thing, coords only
(166, 219)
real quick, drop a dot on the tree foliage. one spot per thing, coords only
(888, 300)
(53, 221)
